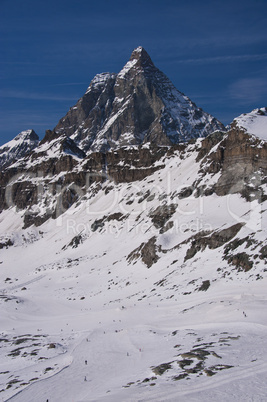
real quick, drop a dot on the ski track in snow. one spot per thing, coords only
(106, 350)
(78, 370)
(8, 289)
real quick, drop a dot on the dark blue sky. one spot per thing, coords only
(213, 51)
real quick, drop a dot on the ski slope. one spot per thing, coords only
(104, 303)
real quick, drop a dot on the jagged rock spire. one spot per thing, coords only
(142, 57)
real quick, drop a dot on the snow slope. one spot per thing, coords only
(254, 122)
(85, 317)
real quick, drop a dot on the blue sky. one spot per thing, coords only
(213, 51)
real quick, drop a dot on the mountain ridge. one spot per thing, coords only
(18, 148)
(135, 106)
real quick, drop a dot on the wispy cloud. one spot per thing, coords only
(67, 84)
(224, 59)
(36, 96)
(216, 41)
(248, 90)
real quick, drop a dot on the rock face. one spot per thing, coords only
(212, 240)
(45, 183)
(240, 157)
(64, 173)
(136, 106)
(244, 165)
(18, 148)
(147, 252)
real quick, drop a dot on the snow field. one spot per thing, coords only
(146, 333)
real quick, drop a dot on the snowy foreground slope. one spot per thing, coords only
(138, 292)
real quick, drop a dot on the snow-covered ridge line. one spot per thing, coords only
(130, 64)
(254, 123)
(18, 148)
(100, 80)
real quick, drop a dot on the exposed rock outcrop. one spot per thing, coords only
(162, 214)
(240, 158)
(244, 166)
(212, 240)
(147, 252)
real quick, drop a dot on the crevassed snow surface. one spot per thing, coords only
(254, 122)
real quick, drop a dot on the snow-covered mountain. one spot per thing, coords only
(254, 122)
(138, 272)
(137, 105)
(17, 148)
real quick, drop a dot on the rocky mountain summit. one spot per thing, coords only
(136, 106)
(18, 148)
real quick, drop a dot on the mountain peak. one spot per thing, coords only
(138, 105)
(17, 148)
(253, 123)
(27, 135)
(142, 57)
